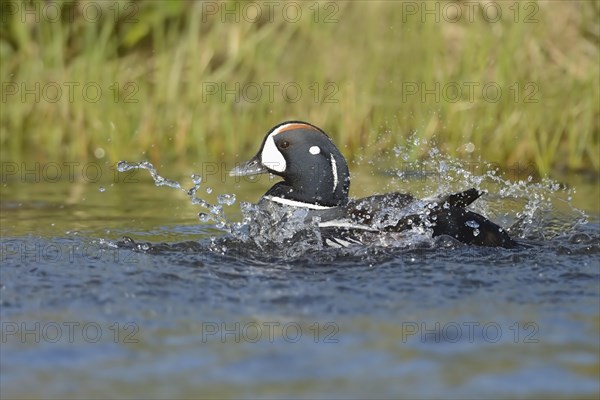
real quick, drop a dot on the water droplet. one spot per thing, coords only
(216, 209)
(443, 167)
(99, 152)
(209, 190)
(123, 166)
(102, 189)
(197, 179)
(220, 225)
(227, 199)
(200, 202)
(475, 232)
(203, 217)
(472, 224)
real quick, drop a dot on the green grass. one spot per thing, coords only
(364, 62)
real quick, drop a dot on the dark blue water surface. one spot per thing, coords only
(181, 310)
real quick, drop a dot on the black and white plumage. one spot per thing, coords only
(316, 177)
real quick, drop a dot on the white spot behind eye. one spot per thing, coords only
(314, 150)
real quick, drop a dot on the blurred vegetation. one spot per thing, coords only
(357, 63)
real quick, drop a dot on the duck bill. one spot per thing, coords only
(252, 167)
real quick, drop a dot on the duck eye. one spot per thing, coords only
(285, 144)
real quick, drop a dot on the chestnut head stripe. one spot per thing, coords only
(292, 126)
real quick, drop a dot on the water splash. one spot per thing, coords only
(214, 212)
(124, 166)
(525, 207)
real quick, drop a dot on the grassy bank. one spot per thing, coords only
(185, 81)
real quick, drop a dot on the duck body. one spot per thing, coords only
(316, 179)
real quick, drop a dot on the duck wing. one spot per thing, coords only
(398, 212)
(391, 211)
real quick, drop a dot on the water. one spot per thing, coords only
(191, 309)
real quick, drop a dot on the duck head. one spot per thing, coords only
(314, 171)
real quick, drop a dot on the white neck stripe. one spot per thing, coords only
(295, 203)
(334, 171)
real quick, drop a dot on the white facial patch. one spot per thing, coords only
(271, 157)
(334, 171)
(314, 150)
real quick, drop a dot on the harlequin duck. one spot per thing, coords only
(316, 178)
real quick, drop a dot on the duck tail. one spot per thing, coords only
(461, 199)
(469, 227)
